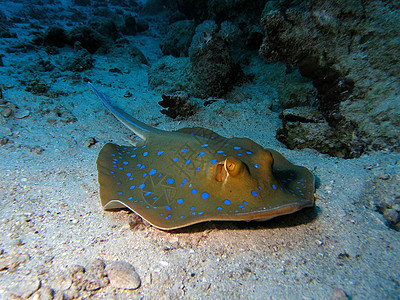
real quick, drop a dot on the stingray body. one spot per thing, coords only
(175, 179)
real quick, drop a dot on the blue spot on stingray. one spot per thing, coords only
(241, 206)
(152, 172)
(239, 154)
(219, 208)
(274, 186)
(236, 147)
(129, 174)
(142, 167)
(194, 191)
(220, 151)
(205, 195)
(155, 207)
(112, 154)
(145, 153)
(184, 180)
(142, 186)
(254, 193)
(213, 161)
(193, 208)
(120, 193)
(181, 217)
(201, 154)
(184, 150)
(168, 207)
(256, 166)
(139, 165)
(144, 146)
(179, 201)
(130, 198)
(114, 159)
(112, 172)
(297, 187)
(118, 183)
(204, 145)
(147, 206)
(248, 152)
(144, 175)
(121, 168)
(170, 180)
(133, 155)
(181, 185)
(259, 187)
(160, 152)
(198, 169)
(245, 203)
(188, 161)
(193, 213)
(227, 202)
(132, 187)
(200, 213)
(148, 193)
(175, 159)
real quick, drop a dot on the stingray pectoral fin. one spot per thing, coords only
(114, 204)
(139, 128)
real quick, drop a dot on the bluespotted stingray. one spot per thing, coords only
(176, 179)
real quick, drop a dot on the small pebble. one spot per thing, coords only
(383, 176)
(122, 275)
(91, 142)
(6, 112)
(22, 113)
(62, 282)
(20, 285)
(339, 294)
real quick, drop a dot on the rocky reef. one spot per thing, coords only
(348, 49)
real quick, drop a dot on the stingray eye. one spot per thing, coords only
(230, 166)
(233, 166)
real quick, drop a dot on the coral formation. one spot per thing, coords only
(178, 105)
(331, 43)
(214, 69)
(178, 39)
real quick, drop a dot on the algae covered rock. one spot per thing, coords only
(346, 49)
(170, 74)
(214, 69)
(306, 127)
(178, 39)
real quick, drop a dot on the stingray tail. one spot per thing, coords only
(141, 129)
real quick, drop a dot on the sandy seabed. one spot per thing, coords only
(51, 219)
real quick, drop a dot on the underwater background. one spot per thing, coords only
(317, 81)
